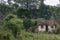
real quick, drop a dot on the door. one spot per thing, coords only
(47, 28)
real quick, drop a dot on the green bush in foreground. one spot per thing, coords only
(13, 24)
(58, 29)
(27, 23)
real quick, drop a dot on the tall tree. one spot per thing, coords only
(4, 10)
(27, 3)
(9, 2)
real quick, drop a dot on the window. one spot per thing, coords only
(42, 26)
(51, 26)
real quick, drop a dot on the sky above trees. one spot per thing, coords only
(50, 2)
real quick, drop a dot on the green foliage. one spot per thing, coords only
(58, 29)
(9, 17)
(22, 12)
(11, 28)
(52, 9)
(44, 12)
(13, 23)
(27, 3)
(26, 23)
(38, 36)
(5, 8)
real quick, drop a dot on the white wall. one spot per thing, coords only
(50, 29)
(42, 29)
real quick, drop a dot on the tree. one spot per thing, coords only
(57, 14)
(4, 10)
(11, 22)
(27, 3)
(22, 12)
(27, 23)
(52, 11)
(44, 10)
(1, 1)
(9, 2)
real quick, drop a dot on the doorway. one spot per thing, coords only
(46, 28)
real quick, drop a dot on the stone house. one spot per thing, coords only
(45, 26)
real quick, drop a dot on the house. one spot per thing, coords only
(45, 26)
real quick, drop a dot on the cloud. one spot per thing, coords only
(51, 2)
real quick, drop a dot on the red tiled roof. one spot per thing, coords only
(45, 22)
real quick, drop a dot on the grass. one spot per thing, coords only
(32, 36)
(39, 36)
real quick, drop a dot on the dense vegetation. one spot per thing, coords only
(16, 19)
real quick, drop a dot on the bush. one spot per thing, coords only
(11, 22)
(26, 23)
(58, 29)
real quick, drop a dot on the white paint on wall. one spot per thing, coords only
(39, 28)
(42, 29)
(51, 29)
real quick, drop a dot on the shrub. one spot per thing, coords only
(58, 29)
(11, 22)
(26, 23)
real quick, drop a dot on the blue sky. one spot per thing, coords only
(50, 2)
